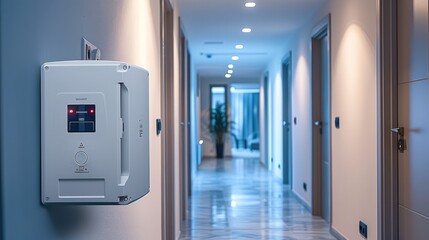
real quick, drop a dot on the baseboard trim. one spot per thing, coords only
(336, 234)
(302, 201)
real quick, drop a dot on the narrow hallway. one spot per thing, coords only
(238, 199)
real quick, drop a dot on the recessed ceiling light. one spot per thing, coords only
(230, 66)
(246, 30)
(235, 58)
(250, 4)
(239, 46)
(230, 71)
(228, 75)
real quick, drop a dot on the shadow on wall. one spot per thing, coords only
(354, 99)
(67, 220)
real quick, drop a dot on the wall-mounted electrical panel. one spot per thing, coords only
(94, 132)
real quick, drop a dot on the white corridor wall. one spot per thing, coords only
(354, 100)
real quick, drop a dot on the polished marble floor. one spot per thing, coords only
(237, 199)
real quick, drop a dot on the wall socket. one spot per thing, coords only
(304, 185)
(89, 51)
(363, 229)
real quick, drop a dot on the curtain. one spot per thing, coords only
(245, 114)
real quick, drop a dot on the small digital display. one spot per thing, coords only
(80, 118)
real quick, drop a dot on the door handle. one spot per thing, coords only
(402, 143)
(399, 130)
(318, 123)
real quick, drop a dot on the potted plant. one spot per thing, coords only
(219, 127)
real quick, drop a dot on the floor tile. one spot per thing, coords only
(238, 199)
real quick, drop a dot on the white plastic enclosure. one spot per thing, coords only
(94, 132)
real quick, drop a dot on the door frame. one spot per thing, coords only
(266, 156)
(287, 168)
(321, 30)
(167, 116)
(1, 145)
(387, 109)
(184, 118)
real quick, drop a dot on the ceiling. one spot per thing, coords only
(213, 28)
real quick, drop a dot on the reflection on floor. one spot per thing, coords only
(237, 199)
(244, 153)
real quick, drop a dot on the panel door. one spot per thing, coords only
(413, 115)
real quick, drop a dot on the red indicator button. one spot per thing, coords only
(91, 110)
(71, 111)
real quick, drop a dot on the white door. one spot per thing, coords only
(413, 116)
